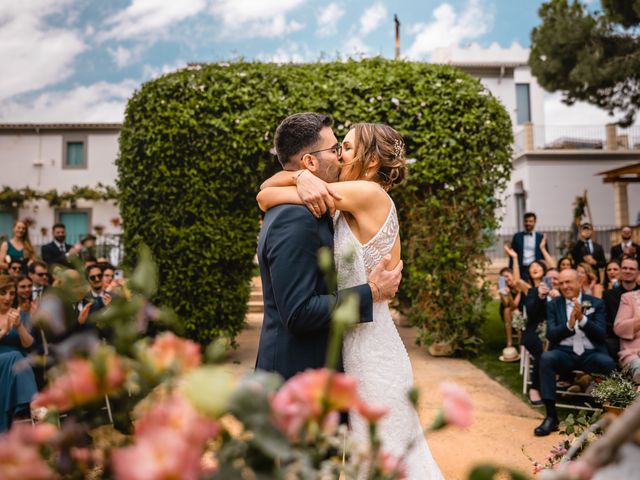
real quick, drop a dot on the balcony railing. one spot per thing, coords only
(585, 137)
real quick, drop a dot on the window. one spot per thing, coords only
(523, 106)
(77, 223)
(7, 217)
(74, 153)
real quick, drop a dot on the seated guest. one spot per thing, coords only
(628, 283)
(24, 293)
(97, 298)
(564, 263)
(576, 330)
(510, 298)
(588, 280)
(536, 305)
(627, 327)
(57, 251)
(626, 246)
(611, 275)
(17, 385)
(39, 275)
(588, 251)
(15, 268)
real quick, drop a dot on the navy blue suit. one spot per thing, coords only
(297, 306)
(561, 358)
(536, 314)
(517, 243)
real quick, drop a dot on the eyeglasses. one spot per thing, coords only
(337, 148)
(15, 267)
(95, 277)
(40, 274)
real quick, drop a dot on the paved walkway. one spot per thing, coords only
(503, 424)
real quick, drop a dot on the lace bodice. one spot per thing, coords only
(374, 354)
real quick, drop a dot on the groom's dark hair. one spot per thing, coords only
(298, 132)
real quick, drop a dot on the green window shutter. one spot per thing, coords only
(76, 223)
(75, 154)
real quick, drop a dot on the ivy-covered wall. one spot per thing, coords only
(196, 144)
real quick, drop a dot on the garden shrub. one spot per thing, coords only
(196, 144)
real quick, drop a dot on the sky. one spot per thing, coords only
(80, 60)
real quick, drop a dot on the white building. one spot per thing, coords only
(551, 165)
(59, 157)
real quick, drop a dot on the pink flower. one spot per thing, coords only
(456, 405)
(20, 457)
(169, 443)
(169, 351)
(79, 384)
(310, 395)
(372, 413)
(391, 465)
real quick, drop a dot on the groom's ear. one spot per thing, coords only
(309, 162)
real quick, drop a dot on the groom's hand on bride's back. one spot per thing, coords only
(384, 283)
(316, 194)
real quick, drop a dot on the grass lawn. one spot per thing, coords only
(492, 333)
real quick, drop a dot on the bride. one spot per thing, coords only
(372, 161)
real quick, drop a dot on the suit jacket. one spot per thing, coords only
(51, 254)
(629, 340)
(580, 250)
(611, 300)
(594, 329)
(297, 306)
(536, 307)
(616, 251)
(517, 243)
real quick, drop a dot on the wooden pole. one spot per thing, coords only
(397, 22)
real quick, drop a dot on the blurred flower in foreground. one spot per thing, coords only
(208, 389)
(309, 396)
(391, 466)
(169, 443)
(83, 381)
(456, 408)
(169, 352)
(20, 457)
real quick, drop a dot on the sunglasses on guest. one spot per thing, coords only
(95, 277)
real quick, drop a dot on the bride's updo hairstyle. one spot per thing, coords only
(376, 141)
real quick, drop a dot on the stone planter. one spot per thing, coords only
(440, 349)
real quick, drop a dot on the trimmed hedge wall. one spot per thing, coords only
(196, 144)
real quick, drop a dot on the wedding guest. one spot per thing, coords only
(108, 271)
(39, 275)
(96, 299)
(626, 246)
(527, 244)
(576, 330)
(17, 385)
(628, 283)
(24, 293)
(536, 306)
(18, 247)
(510, 298)
(611, 274)
(57, 251)
(588, 280)
(586, 250)
(627, 327)
(565, 263)
(88, 248)
(15, 268)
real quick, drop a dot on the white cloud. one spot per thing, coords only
(354, 47)
(282, 55)
(100, 102)
(149, 17)
(328, 18)
(34, 54)
(150, 71)
(372, 18)
(255, 18)
(125, 56)
(449, 27)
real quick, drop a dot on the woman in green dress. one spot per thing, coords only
(18, 248)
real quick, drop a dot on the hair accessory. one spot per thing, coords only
(398, 147)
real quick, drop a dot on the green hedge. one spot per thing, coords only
(196, 144)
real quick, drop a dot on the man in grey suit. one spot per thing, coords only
(297, 305)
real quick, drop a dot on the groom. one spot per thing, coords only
(297, 305)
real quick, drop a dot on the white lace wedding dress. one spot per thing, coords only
(374, 354)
